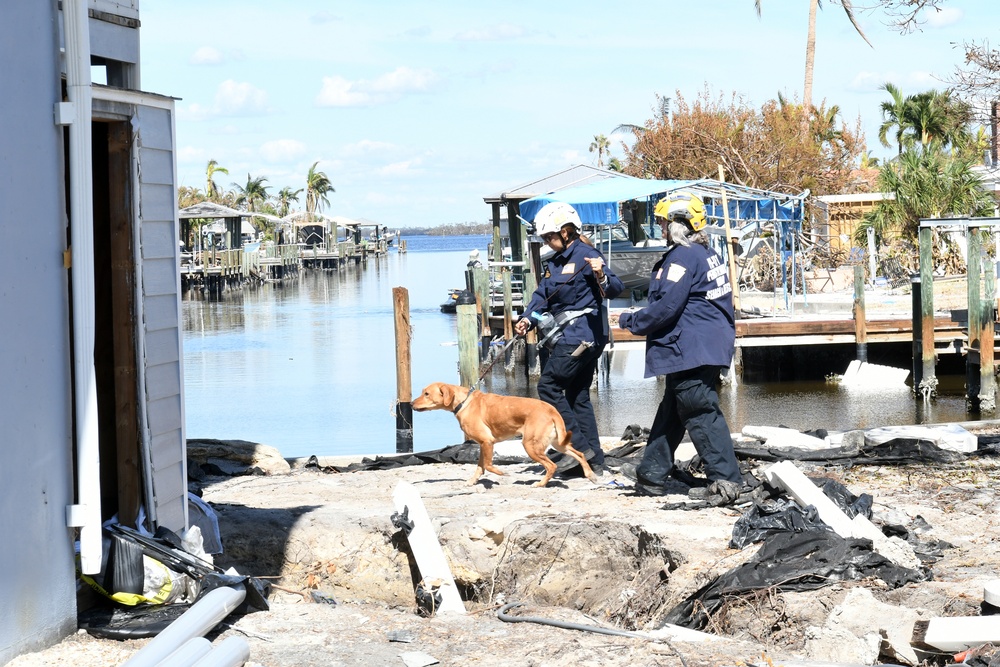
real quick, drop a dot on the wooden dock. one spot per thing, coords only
(214, 270)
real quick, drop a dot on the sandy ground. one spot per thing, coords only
(575, 552)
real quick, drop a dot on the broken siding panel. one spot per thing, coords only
(161, 312)
(164, 415)
(164, 453)
(162, 381)
(159, 232)
(171, 494)
(157, 236)
(155, 127)
(161, 347)
(156, 202)
(160, 276)
(157, 167)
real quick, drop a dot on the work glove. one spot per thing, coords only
(624, 319)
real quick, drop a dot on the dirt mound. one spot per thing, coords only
(575, 552)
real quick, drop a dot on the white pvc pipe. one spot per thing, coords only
(87, 514)
(190, 651)
(231, 652)
(203, 615)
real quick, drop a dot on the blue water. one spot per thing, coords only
(308, 365)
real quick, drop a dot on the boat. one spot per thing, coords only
(385, 235)
(450, 305)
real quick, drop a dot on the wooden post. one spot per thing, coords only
(974, 345)
(468, 341)
(508, 313)
(988, 383)
(731, 248)
(481, 281)
(404, 390)
(860, 328)
(928, 384)
(917, 368)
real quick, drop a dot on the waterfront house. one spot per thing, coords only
(91, 391)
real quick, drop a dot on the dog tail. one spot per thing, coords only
(563, 436)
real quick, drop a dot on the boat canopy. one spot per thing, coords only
(598, 203)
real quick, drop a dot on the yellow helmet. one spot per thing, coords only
(682, 207)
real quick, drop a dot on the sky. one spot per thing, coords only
(416, 111)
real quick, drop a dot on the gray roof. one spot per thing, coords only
(207, 209)
(567, 178)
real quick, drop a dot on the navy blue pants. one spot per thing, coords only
(690, 403)
(565, 384)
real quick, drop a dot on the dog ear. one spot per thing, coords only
(447, 395)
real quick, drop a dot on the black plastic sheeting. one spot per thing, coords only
(782, 514)
(855, 452)
(793, 562)
(467, 452)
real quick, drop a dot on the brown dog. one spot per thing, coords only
(490, 418)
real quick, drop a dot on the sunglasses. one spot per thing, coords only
(548, 237)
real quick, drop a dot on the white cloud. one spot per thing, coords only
(867, 82)
(366, 146)
(319, 18)
(340, 92)
(207, 55)
(282, 150)
(945, 17)
(403, 80)
(404, 168)
(188, 154)
(235, 98)
(493, 33)
(232, 98)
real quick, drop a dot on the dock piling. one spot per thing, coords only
(468, 338)
(860, 327)
(404, 390)
(987, 319)
(928, 382)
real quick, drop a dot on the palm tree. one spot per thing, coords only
(811, 43)
(211, 189)
(894, 115)
(601, 145)
(927, 117)
(318, 187)
(285, 198)
(252, 194)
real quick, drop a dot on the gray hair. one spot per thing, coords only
(680, 233)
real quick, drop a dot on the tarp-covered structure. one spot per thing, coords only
(600, 202)
(631, 201)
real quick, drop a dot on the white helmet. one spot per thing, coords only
(554, 216)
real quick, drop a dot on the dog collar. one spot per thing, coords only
(464, 401)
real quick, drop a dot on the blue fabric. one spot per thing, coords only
(689, 321)
(570, 284)
(597, 203)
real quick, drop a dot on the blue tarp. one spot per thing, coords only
(597, 203)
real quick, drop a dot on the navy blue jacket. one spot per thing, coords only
(567, 287)
(689, 320)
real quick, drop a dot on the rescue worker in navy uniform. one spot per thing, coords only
(572, 291)
(690, 337)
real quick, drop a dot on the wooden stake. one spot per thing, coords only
(860, 328)
(404, 387)
(730, 247)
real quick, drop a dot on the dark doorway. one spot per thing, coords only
(115, 344)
